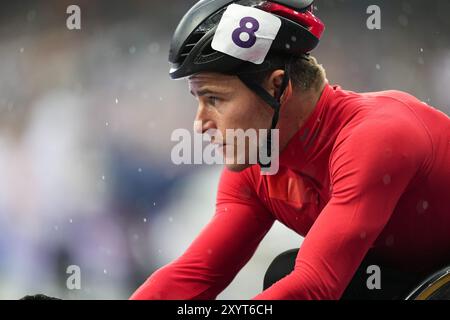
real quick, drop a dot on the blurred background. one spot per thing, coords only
(85, 123)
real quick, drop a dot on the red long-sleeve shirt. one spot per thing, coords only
(366, 171)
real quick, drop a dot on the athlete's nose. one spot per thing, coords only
(203, 121)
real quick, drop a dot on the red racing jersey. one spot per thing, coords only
(367, 171)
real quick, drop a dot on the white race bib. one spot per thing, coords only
(246, 33)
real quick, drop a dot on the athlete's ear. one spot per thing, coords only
(287, 94)
(274, 81)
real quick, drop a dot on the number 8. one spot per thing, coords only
(244, 29)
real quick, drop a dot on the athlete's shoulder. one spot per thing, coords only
(395, 96)
(382, 140)
(383, 108)
(389, 122)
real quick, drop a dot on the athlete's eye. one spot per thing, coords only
(213, 100)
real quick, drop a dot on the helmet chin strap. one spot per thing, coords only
(273, 102)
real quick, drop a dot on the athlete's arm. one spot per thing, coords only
(218, 253)
(370, 168)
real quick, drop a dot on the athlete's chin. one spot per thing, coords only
(239, 162)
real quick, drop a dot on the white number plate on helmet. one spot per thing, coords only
(246, 33)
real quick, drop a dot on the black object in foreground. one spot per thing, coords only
(39, 297)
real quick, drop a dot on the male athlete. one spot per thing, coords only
(362, 176)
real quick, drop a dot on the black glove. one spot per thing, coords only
(39, 297)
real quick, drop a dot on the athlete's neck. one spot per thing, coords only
(295, 112)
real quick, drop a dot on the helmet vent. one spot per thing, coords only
(208, 50)
(190, 44)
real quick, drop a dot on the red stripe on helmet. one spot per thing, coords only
(306, 18)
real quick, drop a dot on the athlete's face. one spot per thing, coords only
(225, 103)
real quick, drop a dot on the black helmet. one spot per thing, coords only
(191, 50)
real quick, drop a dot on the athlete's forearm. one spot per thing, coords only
(174, 282)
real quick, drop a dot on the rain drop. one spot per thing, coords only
(31, 15)
(153, 48)
(403, 20)
(390, 241)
